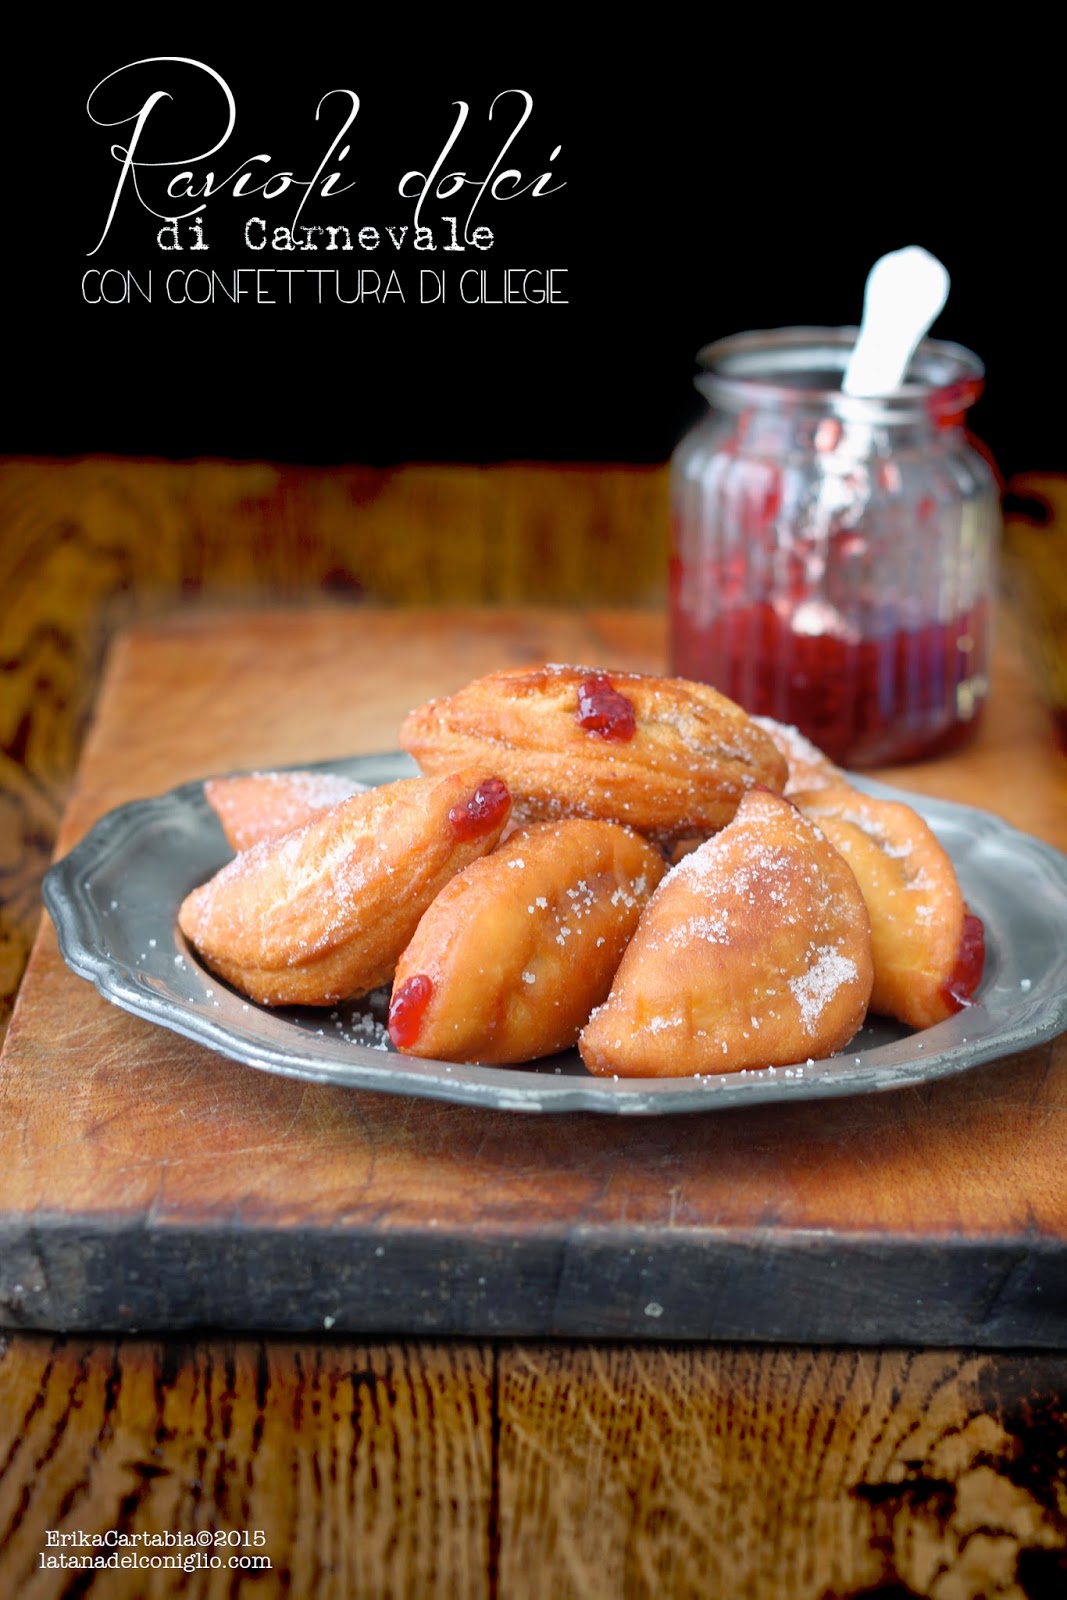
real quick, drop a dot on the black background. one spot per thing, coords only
(724, 178)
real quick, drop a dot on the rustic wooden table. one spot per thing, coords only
(511, 1467)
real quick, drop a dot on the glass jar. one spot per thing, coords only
(833, 559)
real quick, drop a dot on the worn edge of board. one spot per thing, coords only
(102, 1274)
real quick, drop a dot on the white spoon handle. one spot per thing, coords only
(905, 292)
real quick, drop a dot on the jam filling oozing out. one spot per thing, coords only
(603, 710)
(967, 973)
(487, 806)
(407, 1008)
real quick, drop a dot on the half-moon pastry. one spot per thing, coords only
(518, 948)
(928, 949)
(754, 951)
(324, 913)
(263, 805)
(665, 756)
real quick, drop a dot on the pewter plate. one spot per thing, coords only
(114, 901)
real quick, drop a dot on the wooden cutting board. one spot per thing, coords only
(146, 1182)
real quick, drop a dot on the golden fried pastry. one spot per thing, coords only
(518, 948)
(665, 756)
(323, 913)
(264, 805)
(928, 950)
(754, 951)
(808, 767)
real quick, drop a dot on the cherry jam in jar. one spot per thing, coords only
(833, 559)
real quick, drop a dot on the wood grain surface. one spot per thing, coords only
(935, 1214)
(537, 1471)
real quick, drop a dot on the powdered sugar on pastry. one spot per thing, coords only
(814, 989)
(808, 767)
(754, 951)
(265, 805)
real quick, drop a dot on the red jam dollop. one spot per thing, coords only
(603, 710)
(407, 1007)
(967, 973)
(487, 806)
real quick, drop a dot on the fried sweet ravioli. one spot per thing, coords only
(518, 948)
(323, 913)
(928, 949)
(666, 756)
(754, 951)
